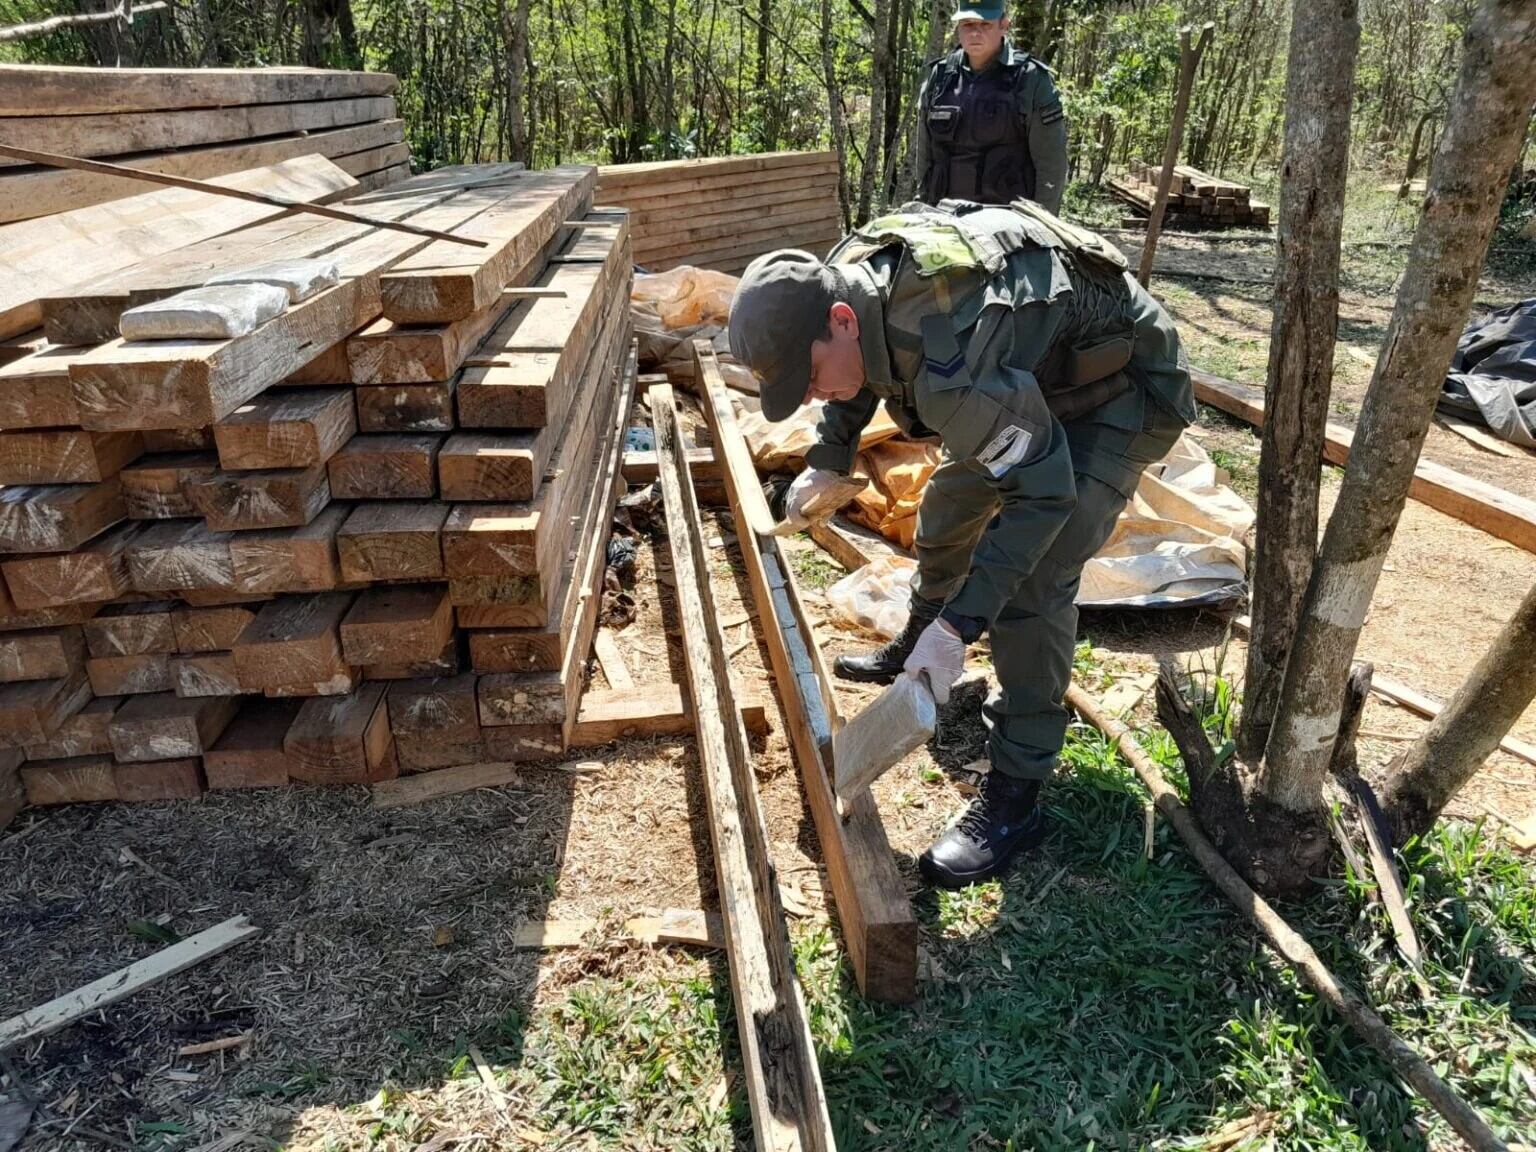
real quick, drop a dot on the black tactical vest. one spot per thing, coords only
(978, 144)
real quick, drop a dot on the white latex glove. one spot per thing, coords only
(940, 656)
(802, 491)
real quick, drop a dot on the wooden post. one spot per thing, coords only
(1189, 64)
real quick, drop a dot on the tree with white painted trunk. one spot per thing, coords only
(1267, 813)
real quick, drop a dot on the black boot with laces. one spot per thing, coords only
(885, 663)
(1002, 821)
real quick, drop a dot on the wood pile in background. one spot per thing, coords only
(189, 122)
(1195, 199)
(365, 539)
(721, 213)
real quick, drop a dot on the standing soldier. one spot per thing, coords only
(990, 124)
(1052, 381)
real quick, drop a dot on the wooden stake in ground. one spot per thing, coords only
(1282, 937)
(789, 1107)
(1325, 40)
(102, 168)
(1189, 64)
(1483, 136)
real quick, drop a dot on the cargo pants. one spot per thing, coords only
(1035, 635)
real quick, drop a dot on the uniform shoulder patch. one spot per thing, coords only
(1004, 450)
(1052, 112)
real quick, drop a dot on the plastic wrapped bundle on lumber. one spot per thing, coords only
(720, 213)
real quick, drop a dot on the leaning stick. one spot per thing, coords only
(42, 27)
(1287, 941)
(102, 168)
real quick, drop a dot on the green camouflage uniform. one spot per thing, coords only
(991, 329)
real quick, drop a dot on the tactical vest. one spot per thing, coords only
(1025, 256)
(978, 140)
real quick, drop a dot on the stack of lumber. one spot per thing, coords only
(722, 213)
(366, 538)
(188, 122)
(1195, 200)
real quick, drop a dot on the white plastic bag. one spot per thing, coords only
(301, 279)
(877, 597)
(217, 312)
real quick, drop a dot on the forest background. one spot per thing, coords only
(619, 81)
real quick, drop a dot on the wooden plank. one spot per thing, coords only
(640, 466)
(168, 727)
(646, 712)
(878, 925)
(290, 559)
(35, 391)
(445, 282)
(59, 1013)
(57, 517)
(690, 173)
(40, 192)
(66, 455)
(94, 573)
(143, 674)
(407, 407)
(242, 501)
(783, 1079)
(397, 624)
(286, 429)
(131, 629)
(668, 199)
(179, 556)
(210, 629)
(436, 722)
(161, 441)
(294, 644)
(341, 739)
(454, 781)
(51, 255)
(78, 780)
(45, 654)
(14, 620)
(115, 133)
(1491, 509)
(83, 734)
(32, 712)
(42, 89)
(155, 487)
(249, 753)
(205, 674)
(146, 782)
(392, 542)
(386, 467)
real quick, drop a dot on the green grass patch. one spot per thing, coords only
(814, 570)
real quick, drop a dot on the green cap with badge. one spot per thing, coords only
(979, 12)
(779, 310)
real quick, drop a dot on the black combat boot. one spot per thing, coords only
(885, 663)
(1004, 820)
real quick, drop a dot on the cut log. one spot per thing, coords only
(94, 573)
(205, 674)
(407, 407)
(341, 739)
(35, 391)
(57, 518)
(249, 753)
(290, 559)
(210, 629)
(286, 429)
(131, 629)
(148, 782)
(83, 734)
(391, 467)
(181, 556)
(241, 501)
(400, 624)
(435, 722)
(81, 780)
(66, 455)
(294, 645)
(392, 542)
(168, 727)
(130, 675)
(155, 488)
(31, 713)
(45, 654)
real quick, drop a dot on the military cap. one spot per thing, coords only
(779, 310)
(979, 12)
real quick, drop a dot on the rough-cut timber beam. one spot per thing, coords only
(1495, 511)
(789, 1107)
(878, 926)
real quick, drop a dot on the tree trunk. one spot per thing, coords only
(1468, 730)
(1325, 41)
(880, 64)
(1484, 131)
(1189, 63)
(835, 111)
(516, 39)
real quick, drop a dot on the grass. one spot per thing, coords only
(1093, 998)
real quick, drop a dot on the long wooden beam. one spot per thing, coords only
(877, 921)
(789, 1106)
(1495, 511)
